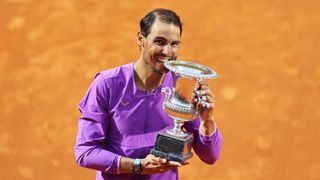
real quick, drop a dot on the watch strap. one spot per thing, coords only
(136, 167)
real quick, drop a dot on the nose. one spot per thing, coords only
(167, 49)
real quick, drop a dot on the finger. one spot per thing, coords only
(203, 86)
(209, 103)
(156, 161)
(195, 100)
(194, 94)
(204, 98)
(198, 106)
(202, 101)
(206, 104)
(208, 99)
(200, 92)
(203, 92)
(194, 103)
(151, 156)
(163, 161)
(174, 163)
(160, 160)
(186, 163)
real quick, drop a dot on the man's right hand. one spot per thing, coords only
(152, 164)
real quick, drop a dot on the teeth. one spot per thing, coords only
(163, 59)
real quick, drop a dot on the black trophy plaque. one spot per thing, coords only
(173, 148)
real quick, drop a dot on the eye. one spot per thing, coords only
(175, 44)
(160, 42)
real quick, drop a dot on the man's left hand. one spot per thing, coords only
(203, 100)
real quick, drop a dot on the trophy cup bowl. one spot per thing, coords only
(174, 144)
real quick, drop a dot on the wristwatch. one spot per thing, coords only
(136, 167)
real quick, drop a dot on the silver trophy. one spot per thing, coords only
(175, 144)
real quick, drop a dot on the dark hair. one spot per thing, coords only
(164, 15)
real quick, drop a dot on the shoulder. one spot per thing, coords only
(115, 74)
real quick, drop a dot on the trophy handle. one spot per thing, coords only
(167, 93)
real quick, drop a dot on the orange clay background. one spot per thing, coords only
(267, 94)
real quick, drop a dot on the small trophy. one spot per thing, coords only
(175, 144)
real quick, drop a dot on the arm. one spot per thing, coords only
(91, 154)
(90, 143)
(207, 147)
(149, 165)
(89, 149)
(90, 146)
(208, 140)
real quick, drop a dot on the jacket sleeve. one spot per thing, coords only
(206, 147)
(92, 125)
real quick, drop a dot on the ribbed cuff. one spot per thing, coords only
(209, 137)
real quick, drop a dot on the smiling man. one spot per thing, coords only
(121, 113)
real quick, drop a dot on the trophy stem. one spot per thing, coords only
(177, 130)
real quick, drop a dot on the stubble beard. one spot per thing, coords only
(153, 65)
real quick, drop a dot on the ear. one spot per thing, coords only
(140, 39)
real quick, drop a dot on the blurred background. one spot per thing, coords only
(267, 94)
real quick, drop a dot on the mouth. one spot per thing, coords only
(162, 59)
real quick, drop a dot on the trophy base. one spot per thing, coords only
(173, 148)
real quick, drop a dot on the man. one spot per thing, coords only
(122, 110)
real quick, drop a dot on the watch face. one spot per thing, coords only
(136, 168)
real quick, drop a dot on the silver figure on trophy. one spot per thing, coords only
(175, 144)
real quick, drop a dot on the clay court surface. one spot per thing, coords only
(267, 94)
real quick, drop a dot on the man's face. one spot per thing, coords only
(160, 45)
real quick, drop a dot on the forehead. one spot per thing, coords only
(166, 30)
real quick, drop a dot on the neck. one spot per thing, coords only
(145, 78)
